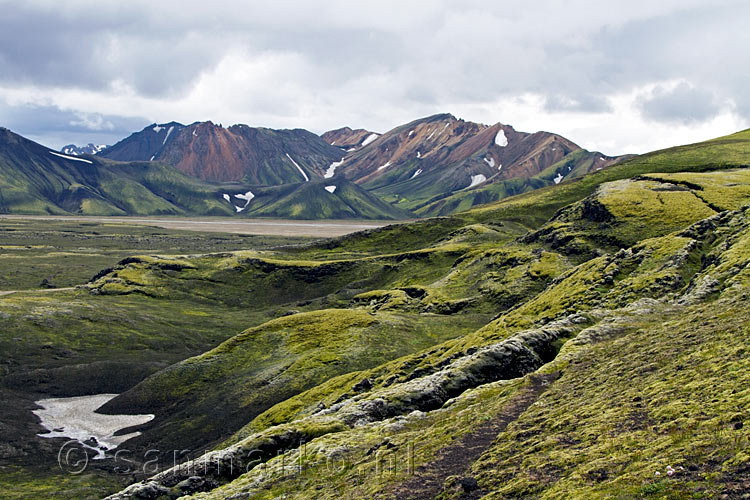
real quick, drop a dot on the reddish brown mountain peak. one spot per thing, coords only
(346, 137)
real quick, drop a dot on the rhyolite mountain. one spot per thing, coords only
(89, 149)
(417, 166)
(438, 165)
(348, 138)
(37, 180)
(429, 159)
(257, 156)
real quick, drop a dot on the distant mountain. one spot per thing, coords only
(436, 165)
(573, 165)
(89, 149)
(144, 145)
(346, 138)
(258, 156)
(38, 180)
(416, 164)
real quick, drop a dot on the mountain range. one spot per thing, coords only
(432, 166)
(89, 149)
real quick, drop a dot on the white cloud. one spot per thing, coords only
(92, 122)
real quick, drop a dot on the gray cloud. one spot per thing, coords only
(683, 103)
(54, 127)
(328, 64)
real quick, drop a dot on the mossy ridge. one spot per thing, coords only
(271, 363)
(654, 268)
(621, 213)
(608, 473)
(725, 192)
(255, 279)
(508, 359)
(621, 443)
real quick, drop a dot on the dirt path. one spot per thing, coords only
(456, 459)
(42, 290)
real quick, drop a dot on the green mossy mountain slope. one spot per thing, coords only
(37, 180)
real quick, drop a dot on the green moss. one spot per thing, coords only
(627, 408)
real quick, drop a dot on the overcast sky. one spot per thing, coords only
(618, 77)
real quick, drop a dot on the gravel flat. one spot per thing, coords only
(275, 227)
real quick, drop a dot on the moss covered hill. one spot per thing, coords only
(316, 199)
(586, 340)
(37, 180)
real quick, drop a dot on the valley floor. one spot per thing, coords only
(267, 227)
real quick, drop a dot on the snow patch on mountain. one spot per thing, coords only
(167, 136)
(227, 197)
(419, 155)
(307, 179)
(71, 157)
(332, 169)
(476, 180)
(419, 171)
(558, 179)
(388, 164)
(500, 139)
(157, 129)
(247, 197)
(369, 139)
(330, 189)
(77, 418)
(490, 162)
